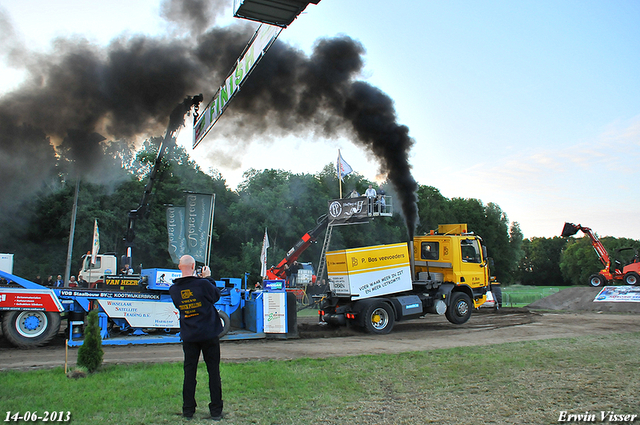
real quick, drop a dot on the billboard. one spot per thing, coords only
(370, 271)
(348, 211)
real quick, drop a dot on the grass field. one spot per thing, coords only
(521, 295)
(515, 383)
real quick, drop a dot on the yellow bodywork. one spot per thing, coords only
(455, 254)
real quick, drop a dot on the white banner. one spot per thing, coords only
(629, 294)
(275, 318)
(143, 314)
(95, 248)
(262, 40)
(263, 254)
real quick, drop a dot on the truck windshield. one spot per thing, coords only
(89, 266)
(470, 251)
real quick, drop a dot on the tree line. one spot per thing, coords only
(284, 203)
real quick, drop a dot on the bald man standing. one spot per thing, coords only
(195, 296)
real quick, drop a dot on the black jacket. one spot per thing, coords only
(195, 297)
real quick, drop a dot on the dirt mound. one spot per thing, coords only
(581, 299)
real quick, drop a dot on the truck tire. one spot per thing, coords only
(30, 329)
(459, 309)
(631, 278)
(378, 318)
(597, 280)
(226, 323)
(496, 290)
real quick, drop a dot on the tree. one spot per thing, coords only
(540, 264)
(90, 353)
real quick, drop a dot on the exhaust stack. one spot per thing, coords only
(412, 262)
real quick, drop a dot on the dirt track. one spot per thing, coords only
(486, 326)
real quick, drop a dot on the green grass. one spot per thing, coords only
(529, 382)
(522, 295)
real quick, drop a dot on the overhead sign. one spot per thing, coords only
(255, 50)
(348, 210)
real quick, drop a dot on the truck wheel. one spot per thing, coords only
(597, 280)
(29, 329)
(459, 309)
(496, 290)
(378, 318)
(226, 323)
(631, 278)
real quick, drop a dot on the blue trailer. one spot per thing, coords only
(140, 313)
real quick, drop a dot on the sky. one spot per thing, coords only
(530, 105)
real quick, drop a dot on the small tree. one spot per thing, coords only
(90, 353)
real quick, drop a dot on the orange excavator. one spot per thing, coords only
(613, 269)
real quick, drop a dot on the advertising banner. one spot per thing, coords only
(260, 43)
(369, 272)
(274, 307)
(198, 221)
(189, 228)
(35, 299)
(348, 211)
(143, 314)
(175, 229)
(629, 294)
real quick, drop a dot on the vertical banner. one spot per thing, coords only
(175, 229)
(95, 246)
(198, 222)
(263, 255)
(263, 38)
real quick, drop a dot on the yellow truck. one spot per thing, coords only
(444, 272)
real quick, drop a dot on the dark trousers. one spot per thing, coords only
(211, 353)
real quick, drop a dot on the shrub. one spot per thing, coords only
(90, 352)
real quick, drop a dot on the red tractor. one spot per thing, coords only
(613, 269)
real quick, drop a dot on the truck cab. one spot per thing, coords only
(105, 265)
(453, 255)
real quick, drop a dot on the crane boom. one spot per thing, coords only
(176, 120)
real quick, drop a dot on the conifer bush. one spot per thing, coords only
(90, 352)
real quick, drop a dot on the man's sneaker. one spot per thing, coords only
(218, 417)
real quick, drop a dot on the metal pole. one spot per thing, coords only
(210, 236)
(72, 232)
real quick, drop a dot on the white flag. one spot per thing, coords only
(96, 242)
(263, 254)
(343, 167)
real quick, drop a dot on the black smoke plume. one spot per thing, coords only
(80, 93)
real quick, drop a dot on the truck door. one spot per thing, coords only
(472, 267)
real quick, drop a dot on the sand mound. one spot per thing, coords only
(581, 299)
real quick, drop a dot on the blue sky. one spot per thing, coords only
(532, 105)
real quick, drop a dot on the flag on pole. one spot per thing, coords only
(96, 242)
(263, 254)
(343, 167)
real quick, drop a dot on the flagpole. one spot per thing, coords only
(339, 173)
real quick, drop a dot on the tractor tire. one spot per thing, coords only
(460, 307)
(226, 323)
(30, 329)
(378, 318)
(597, 280)
(631, 278)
